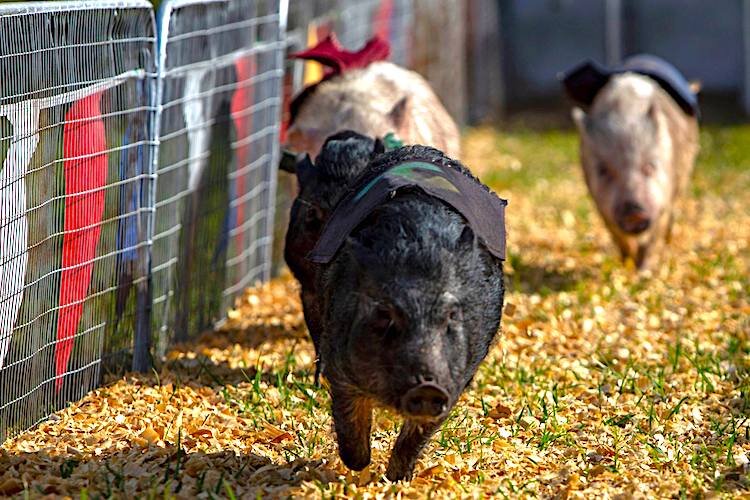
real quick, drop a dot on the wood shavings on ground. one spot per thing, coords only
(604, 382)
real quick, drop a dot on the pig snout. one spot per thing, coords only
(427, 399)
(632, 217)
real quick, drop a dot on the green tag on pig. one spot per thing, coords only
(391, 142)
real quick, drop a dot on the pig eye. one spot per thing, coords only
(455, 314)
(313, 216)
(382, 323)
(648, 169)
(603, 171)
(451, 308)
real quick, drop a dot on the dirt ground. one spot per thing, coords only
(603, 382)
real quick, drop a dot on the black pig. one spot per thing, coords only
(408, 308)
(343, 158)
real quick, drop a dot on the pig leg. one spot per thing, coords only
(644, 257)
(669, 228)
(352, 419)
(313, 321)
(650, 252)
(410, 443)
(624, 253)
(312, 317)
(628, 248)
(625, 245)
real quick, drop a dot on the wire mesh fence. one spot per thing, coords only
(74, 208)
(220, 71)
(138, 174)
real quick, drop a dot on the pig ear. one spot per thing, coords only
(378, 148)
(305, 170)
(288, 162)
(579, 118)
(652, 115)
(399, 113)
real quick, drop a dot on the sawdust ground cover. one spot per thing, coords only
(603, 382)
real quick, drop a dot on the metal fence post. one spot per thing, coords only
(142, 359)
(439, 51)
(486, 86)
(613, 31)
(272, 190)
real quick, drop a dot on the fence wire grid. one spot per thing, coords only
(74, 208)
(138, 174)
(220, 71)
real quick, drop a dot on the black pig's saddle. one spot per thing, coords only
(483, 209)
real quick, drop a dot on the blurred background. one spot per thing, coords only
(493, 59)
(536, 39)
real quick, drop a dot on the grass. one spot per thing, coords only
(604, 382)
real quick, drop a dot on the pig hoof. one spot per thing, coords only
(353, 460)
(398, 472)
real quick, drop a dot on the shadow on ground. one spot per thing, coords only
(194, 361)
(118, 467)
(155, 471)
(532, 279)
(202, 370)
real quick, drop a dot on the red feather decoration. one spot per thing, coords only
(338, 60)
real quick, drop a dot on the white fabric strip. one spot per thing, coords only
(194, 114)
(14, 230)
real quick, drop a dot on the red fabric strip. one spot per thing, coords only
(81, 138)
(242, 100)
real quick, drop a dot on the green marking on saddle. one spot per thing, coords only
(391, 142)
(411, 170)
(441, 183)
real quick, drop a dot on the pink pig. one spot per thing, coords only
(637, 149)
(367, 95)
